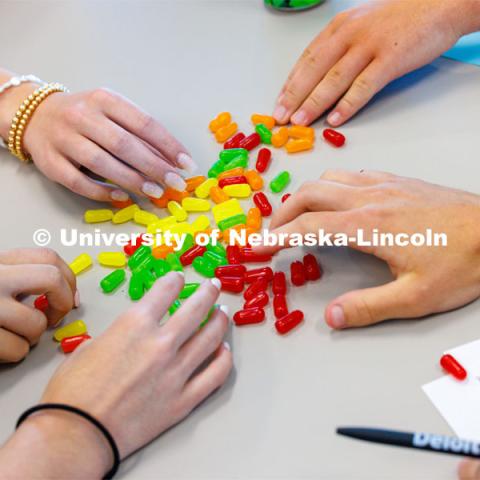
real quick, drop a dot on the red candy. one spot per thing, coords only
(280, 308)
(263, 159)
(258, 273)
(334, 137)
(261, 201)
(131, 247)
(279, 285)
(250, 142)
(247, 255)
(312, 269)
(122, 203)
(232, 284)
(288, 322)
(249, 316)
(451, 365)
(259, 300)
(231, 271)
(69, 344)
(233, 254)
(297, 274)
(234, 142)
(41, 303)
(286, 197)
(232, 181)
(256, 287)
(191, 254)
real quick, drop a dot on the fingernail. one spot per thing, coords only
(119, 195)
(216, 283)
(152, 190)
(279, 112)
(227, 346)
(334, 119)
(337, 317)
(186, 163)
(225, 309)
(299, 118)
(175, 181)
(76, 299)
(180, 272)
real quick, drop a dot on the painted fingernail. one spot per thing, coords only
(186, 163)
(227, 346)
(225, 309)
(175, 181)
(279, 112)
(299, 118)
(119, 195)
(180, 272)
(216, 283)
(152, 189)
(334, 119)
(337, 317)
(76, 299)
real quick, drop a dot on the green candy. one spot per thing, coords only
(139, 256)
(236, 162)
(215, 259)
(226, 156)
(219, 249)
(280, 182)
(112, 281)
(174, 262)
(216, 169)
(202, 266)
(148, 278)
(187, 244)
(161, 267)
(174, 307)
(188, 290)
(232, 221)
(264, 132)
(135, 288)
(145, 264)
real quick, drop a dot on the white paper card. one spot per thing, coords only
(459, 402)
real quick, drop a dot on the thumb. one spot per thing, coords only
(397, 299)
(469, 470)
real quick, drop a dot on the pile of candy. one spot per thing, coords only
(229, 179)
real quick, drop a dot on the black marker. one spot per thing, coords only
(418, 440)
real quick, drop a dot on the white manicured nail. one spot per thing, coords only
(186, 163)
(299, 118)
(279, 112)
(175, 181)
(216, 283)
(119, 195)
(227, 346)
(225, 309)
(152, 190)
(180, 272)
(334, 119)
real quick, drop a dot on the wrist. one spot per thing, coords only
(464, 16)
(58, 445)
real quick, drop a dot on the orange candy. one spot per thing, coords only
(224, 133)
(234, 172)
(160, 202)
(254, 219)
(267, 120)
(162, 251)
(194, 182)
(294, 146)
(221, 120)
(218, 195)
(176, 195)
(280, 137)
(299, 131)
(121, 204)
(254, 179)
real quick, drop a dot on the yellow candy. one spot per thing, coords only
(97, 216)
(226, 209)
(195, 204)
(181, 228)
(241, 190)
(161, 225)
(125, 214)
(72, 329)
(112, 259)
(202, 222)
(81, 263)
(177, 211)
(144, 218)
(203, 190)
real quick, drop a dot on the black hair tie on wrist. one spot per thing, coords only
(86, 416)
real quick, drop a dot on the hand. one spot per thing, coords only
(28, 272)
(428, 279)
(138, 378)
(363, 49)
(469, 470)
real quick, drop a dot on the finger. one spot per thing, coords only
(12, 347)
(43, 279)
(333, 85)
(469, 470)
(125, 113)
(208, 380)
(363, 178)
(314, 63)
(186, 320)
(40, 256)
(397, 299)
(22, 320)
(320, 195)
(365, 86)
(196, 350)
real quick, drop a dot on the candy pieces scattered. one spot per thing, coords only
(71, 330)
(112, 259)
(451, 365)
(81, 263)
(98, 216)
(335, 138)
(69, 344)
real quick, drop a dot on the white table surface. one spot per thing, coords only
(184, 61)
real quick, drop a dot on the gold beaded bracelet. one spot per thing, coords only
(24, 115)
